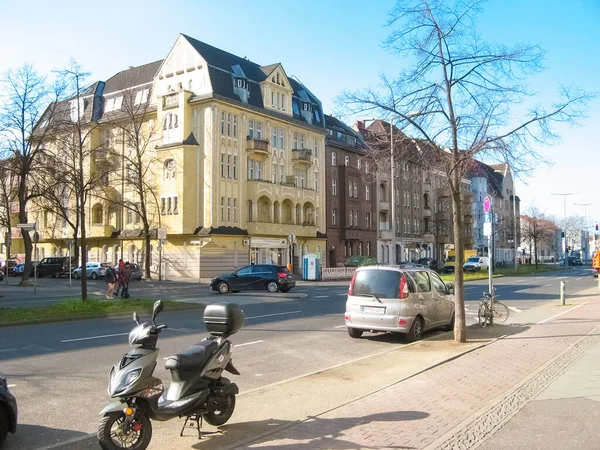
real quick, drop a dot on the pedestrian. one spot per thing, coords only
(110, 278)
(126, 280)
(119, 279)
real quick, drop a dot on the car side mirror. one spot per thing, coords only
(450, 288)
(157, 309)
(235, 274)
(136, 318)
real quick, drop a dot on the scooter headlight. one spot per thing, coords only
(128, 379)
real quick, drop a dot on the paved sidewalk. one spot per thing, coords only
(456, 405)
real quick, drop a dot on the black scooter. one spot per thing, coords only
(197, 390)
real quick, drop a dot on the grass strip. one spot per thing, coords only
(72, 309)
(524, 269)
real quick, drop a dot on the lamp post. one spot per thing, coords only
(564, 243)
(585, 225)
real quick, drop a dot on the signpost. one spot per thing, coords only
(69, 243)
(487, 231)
(7, 243)
(36, 239)
(161, 234)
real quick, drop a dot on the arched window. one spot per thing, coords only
(249, 210)
(426, 201)
(169, 169)
(97, 214)
(170, 125)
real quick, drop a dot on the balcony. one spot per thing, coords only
(99, 230)
(257, 149)
(427, 212)
(428, 236)
(384, 206)
(281, 229)
(170, 101)
(386, 235)
(427, 186)
(351, 233)
(302, 158)
(256, 188)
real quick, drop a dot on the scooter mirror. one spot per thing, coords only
(158, 307)
(136, 318)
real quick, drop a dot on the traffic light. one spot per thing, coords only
(562, 234)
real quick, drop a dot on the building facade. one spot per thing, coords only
(351, 198)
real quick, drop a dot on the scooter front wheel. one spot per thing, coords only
(115, 433)
(222, 410)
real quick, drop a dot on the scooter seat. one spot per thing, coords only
(193, 357)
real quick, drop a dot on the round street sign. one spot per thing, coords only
(487, 204)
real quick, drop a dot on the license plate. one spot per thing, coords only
(373, 309)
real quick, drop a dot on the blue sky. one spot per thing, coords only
(329, 45)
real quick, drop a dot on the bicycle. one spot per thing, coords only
(499, 310)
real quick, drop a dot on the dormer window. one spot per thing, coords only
(241, 83)
(306, 106)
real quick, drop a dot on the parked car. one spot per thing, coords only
(430, 263)
(571, 261)
(476, 264)
(358, 261)
(136, 272)
(93, 270)
(8, 411)
(399, 300)
(259, 276)
(56, 266)
(9, 267)
(20, 268)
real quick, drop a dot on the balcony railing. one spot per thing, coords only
(170, 100)
(303, 156)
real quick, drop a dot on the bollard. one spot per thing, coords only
(562, 293)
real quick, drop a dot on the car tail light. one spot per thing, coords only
(403, 287)
(352, 284)
(282, 275)
(347, 317)
(402, 322)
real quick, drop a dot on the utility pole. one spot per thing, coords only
(564, 243)
(585, 224)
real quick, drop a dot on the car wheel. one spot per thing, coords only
(94, 276)
(416, 331)
(272, 286)
(76, 275)
(354, 333)
(450, 325)
(223, 287)
(3, 424)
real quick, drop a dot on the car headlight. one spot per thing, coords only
(128, 379)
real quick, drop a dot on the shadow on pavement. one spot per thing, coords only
(315, 432)
(29, 436)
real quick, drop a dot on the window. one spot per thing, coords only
(223, 123)
(170, 124)
(228, 209)
(282, 101)
(340, 135)
(334, 216)
(141, 96)
(281, 173)
(228, 166)
(368, 221)
(333, 159)
(258, 130)
(234, 209)
(274, 173)
(250, 128)
(272, 98)
(366, 167)
(355, 189)
(355, 218)
(222, 165)
(163, 206)
(346, 161)
(228, 124)
(234, 126)
(334, 187)
(281, 139)
(295, 147)
(368, 193)
(358, 164)
(422, 279)
(350, 189)
(316, 180)
(315, 148)
(175, 205)
(250, 169)
(350, 216)
(235, 167)
(274, 138)
(169, 169)
(222, 209)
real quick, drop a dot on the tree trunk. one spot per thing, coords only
(535, 251)
(460, 330)
(147, 252)
(26, 237)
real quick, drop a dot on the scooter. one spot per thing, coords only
(197, 390)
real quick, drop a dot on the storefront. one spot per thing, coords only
(269, 251)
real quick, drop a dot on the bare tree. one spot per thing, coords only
(25, 94)
(536, 229)
(457, 97)
(574, 226)
(136, 133)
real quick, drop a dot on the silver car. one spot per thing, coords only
(398, 299)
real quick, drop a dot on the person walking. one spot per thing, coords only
(126, 280)
(120, 275)
(110, 278)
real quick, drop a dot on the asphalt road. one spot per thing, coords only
(59, 372)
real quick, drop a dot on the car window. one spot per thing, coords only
(259, 268)
(381, 283)
(245, 270)
(438, 284)
(475, 260)
(423, 281)
(412, 284)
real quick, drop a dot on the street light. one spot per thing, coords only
(585, 224)
(564, 244)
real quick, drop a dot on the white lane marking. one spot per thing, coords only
(560, 314)
(340, 326)
(8, 350)
(518, 281)
(343, 294)
(577, 279)
(547, 285)
(322, 296)
(275, 314)
(12, 385)
(512, 308)
(94, 337)
(248, 343)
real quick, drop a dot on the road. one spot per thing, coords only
(59, 372)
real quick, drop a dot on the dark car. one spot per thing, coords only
(10, 264)
(8, 411)
(430, 263)
(56, 266)
(260, 276)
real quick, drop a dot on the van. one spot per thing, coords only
(476, 264)
(55, 266)
(398, 300)
(450, 262)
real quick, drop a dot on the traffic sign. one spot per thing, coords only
(162, 234)
(487, 229)
(488, 217)
(26, 226)
(487, 204)
(36, 237)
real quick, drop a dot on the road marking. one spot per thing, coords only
(547, 285)
(512, 308)
(343, 294)
(340, 326)
(12, 385)
(518, 281)
(560, 314)
(271, 315)
(8, 350)
(577, 279)
(248, 343)
(322, 296)
(94, 337)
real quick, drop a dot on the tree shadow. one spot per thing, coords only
(34, 436)
(314, 432)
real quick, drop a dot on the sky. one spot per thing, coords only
(329, 45)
